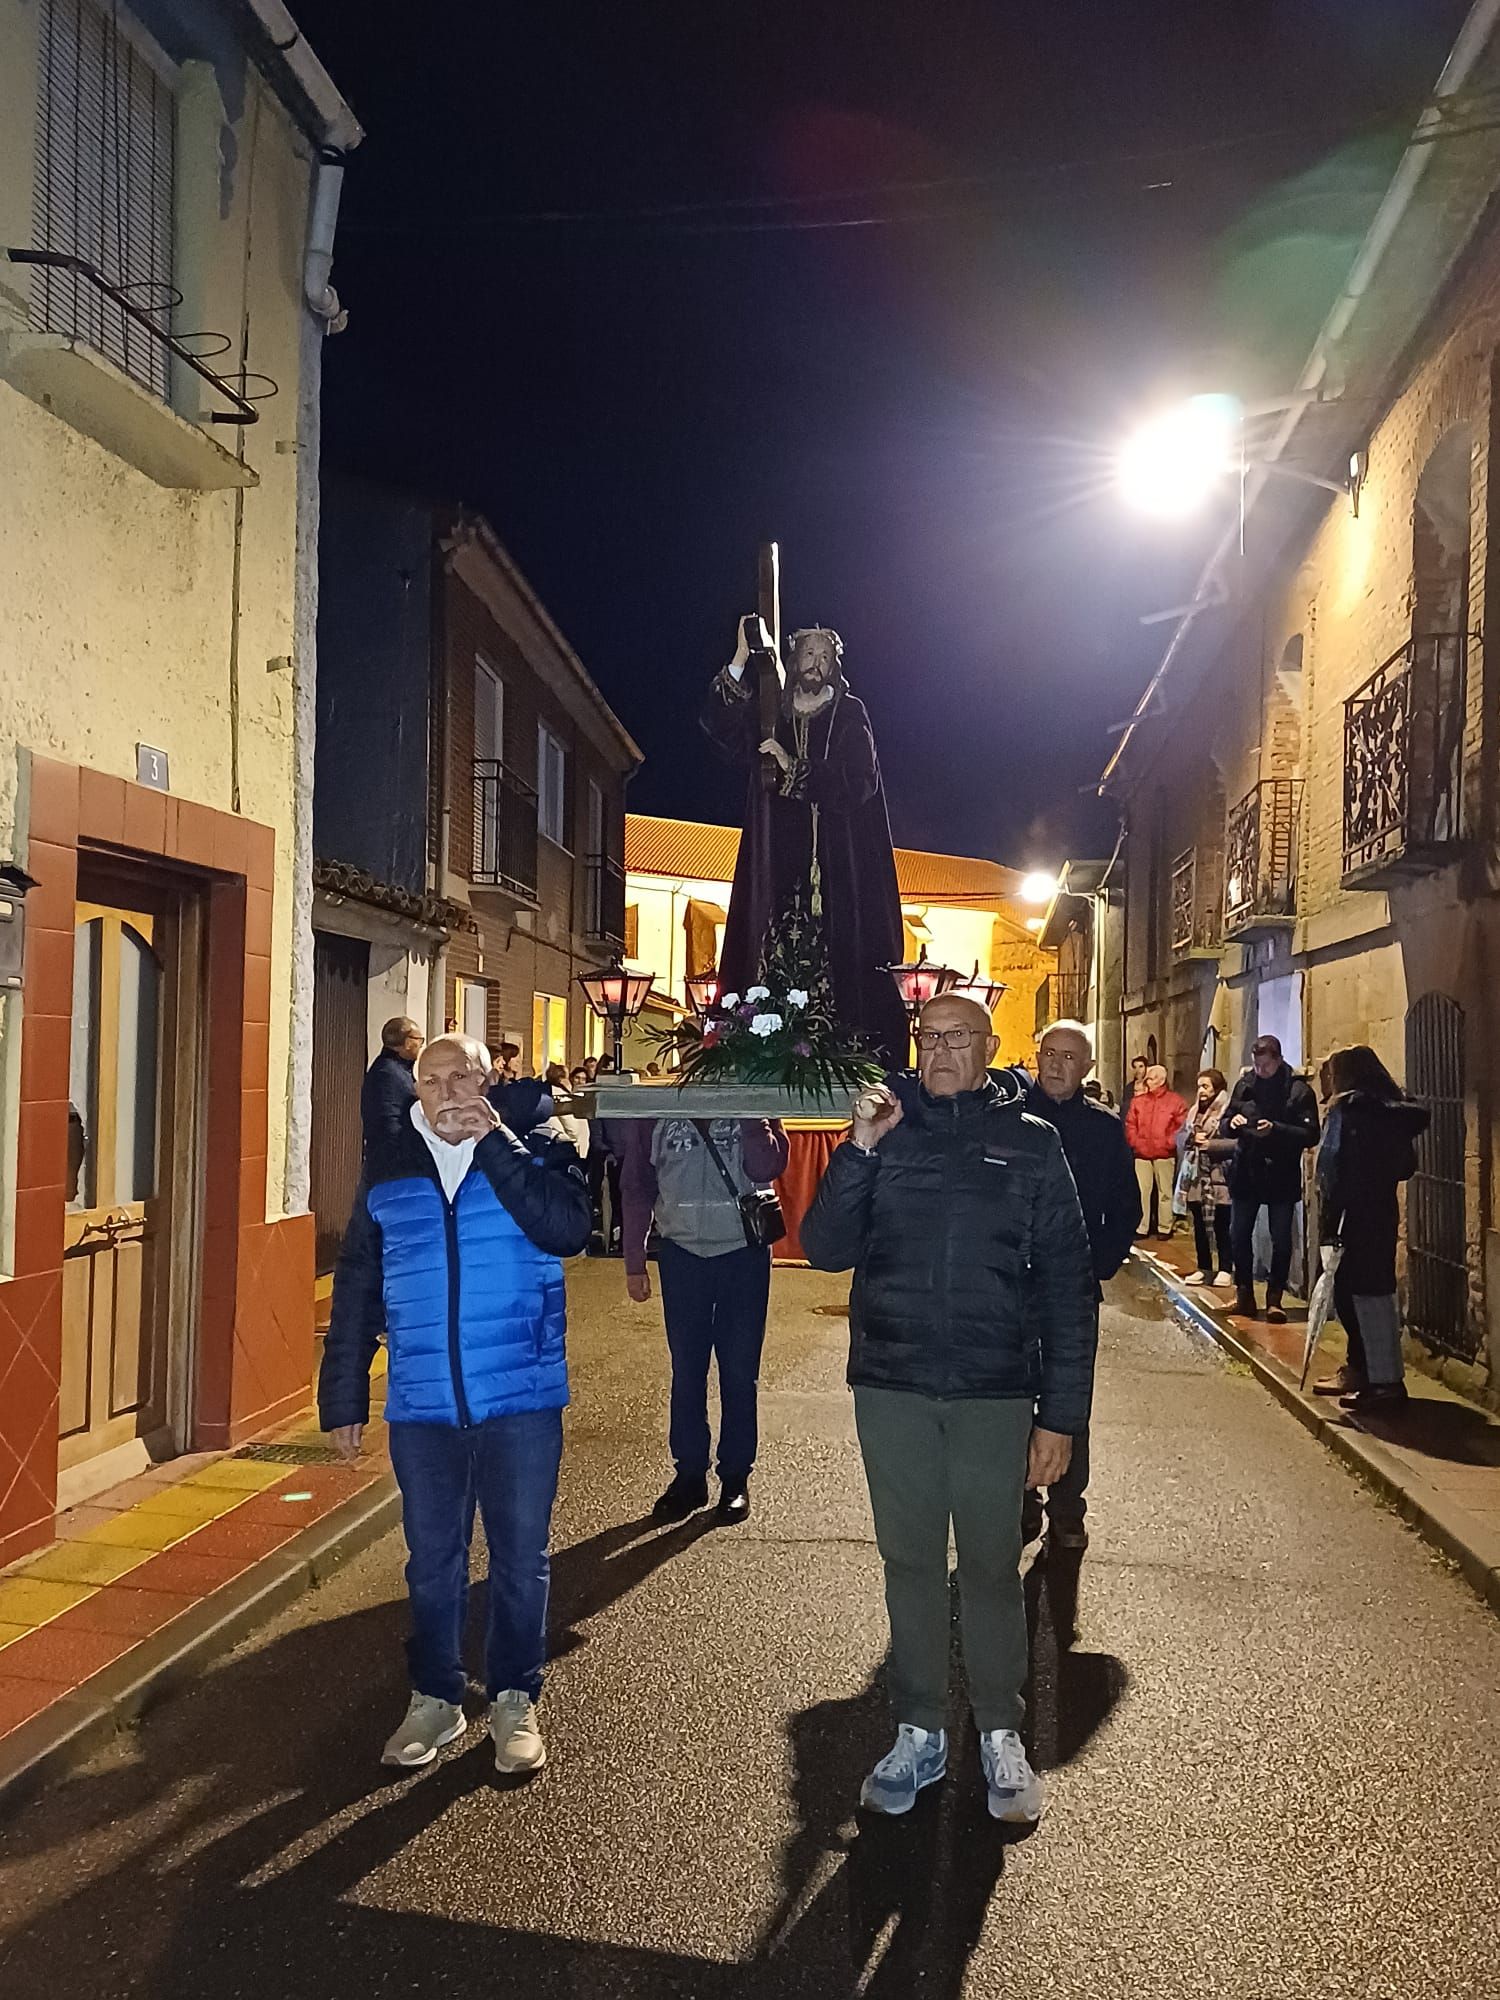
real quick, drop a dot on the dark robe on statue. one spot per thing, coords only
(815, 882)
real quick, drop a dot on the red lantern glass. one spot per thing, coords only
(703, 993)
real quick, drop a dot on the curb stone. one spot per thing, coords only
(1469, 1544)
(61, 1736)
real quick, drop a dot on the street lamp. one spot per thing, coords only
(921, 981)
(703, 992)
(616, 996)
(1040, 886)
(1172, 464)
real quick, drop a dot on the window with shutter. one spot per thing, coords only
(551, 785)
(489, 714)
(103, 183)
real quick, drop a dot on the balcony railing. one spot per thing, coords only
(1195, 925)
(1260, 873)
(1062, 996)
(504, 830)
(604, 908)
(1403, 764)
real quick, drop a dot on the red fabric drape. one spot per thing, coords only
(811, 1149)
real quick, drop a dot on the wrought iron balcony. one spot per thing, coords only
(505, 832)
(604, 907)
(1194, 912)
(1403, 764)
(1062, 996)
(1260, 873)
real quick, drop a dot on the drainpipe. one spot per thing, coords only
(317, 288)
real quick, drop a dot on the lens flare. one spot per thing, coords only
(1173, 463)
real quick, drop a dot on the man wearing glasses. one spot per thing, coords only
(972, 1337)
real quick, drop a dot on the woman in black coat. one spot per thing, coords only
(1368, 1149)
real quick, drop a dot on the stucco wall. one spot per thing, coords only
(121, 612)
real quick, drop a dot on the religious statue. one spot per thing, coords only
(815, 902)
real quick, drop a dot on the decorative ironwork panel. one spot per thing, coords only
(1184, 900)
(1403, 752)
(605, 911)
(1260, 877)
(505, 830)
(1437, 1279)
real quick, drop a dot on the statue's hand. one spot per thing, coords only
(771, 748)
(741, 650)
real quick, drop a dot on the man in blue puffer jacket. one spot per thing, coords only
(452, 1251)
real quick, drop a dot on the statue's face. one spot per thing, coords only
(813, 663)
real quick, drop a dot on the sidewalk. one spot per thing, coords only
(152, 1579)
(1437, 1462)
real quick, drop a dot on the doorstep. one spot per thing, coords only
(150, 1580)
(1437, 1462)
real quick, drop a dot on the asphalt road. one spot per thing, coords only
(1274, 1746)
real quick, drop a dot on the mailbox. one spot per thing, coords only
(14, 883)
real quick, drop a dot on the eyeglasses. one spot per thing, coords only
(951, 1038)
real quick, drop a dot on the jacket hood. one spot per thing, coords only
(998, 1087)
(1402, 1114)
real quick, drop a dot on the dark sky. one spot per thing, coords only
(1077, 207)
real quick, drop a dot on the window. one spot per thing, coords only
(594, 833)
(489, 714)
(474, 1009)
(549, 1031)
(103, 183)
(632, 931)
(551, 784)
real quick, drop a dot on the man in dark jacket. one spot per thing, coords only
(972, 1334)
(389, 1089)
(1273, 1117)
(1103, 1167)
(452, 1252)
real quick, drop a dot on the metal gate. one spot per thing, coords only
(341, 981)
(1437, 1278)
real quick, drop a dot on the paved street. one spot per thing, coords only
(1272, 1748)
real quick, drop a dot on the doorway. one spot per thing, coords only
(124, 1390)
(341, 985)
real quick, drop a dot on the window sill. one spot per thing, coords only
(88, 392)
(556, 845)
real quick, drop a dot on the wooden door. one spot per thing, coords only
(116, 1254)
(341, 986)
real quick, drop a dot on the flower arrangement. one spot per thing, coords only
(781, 1038)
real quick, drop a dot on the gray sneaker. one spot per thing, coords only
(429, 1724)
(518, 1742)
(1014, 1791)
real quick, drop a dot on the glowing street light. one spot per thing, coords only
(1171, 465)
(1040, 886)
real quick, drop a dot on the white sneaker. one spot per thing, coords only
(1014, 1789)
(429, 1724)
(1195, 1278)
(920, 1758)
(518, 1741)
(1224, 1282)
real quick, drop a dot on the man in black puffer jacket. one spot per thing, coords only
(1273, 1118)
(972, 1342)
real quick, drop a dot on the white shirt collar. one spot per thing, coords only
(453, 1160)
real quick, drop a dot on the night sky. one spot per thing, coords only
(1051, 212)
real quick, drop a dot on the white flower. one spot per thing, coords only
(796, 997)
(729, 999)
(765, 1024)
(757, 992)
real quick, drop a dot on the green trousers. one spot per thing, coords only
(929, 1463)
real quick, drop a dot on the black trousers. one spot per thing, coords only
(1279, 1214)
(1215, 1252)
(1343, 1305)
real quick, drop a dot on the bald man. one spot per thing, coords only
(386, 1096)
(972, 1335)
(452, 1253)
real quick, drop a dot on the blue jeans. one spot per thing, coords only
(1279, 1216)
(715, 1308)
(508, 1468)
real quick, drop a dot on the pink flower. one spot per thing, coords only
(802, 1048)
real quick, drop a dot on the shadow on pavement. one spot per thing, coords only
(245, 1877)
(1437, 1428)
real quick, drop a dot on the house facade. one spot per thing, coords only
(167, 170)
(469, 808)
(1310, 787)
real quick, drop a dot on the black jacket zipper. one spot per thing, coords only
(455, 1359)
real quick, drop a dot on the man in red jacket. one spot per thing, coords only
(1152, 1123)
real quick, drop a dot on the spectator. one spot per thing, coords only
(1369, 1148)
(389, 1089)
(972, 1331)
(574, 1128)
(1206, 1188)
(1138, 1067)
(687, 1176)
(591, 1069)
(507, 1063)
(1152, 1123)
(1273, 1118)
(555, 1076)
(452, 1254)
(1103, 1171)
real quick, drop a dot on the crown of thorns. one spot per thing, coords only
(821, 632)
